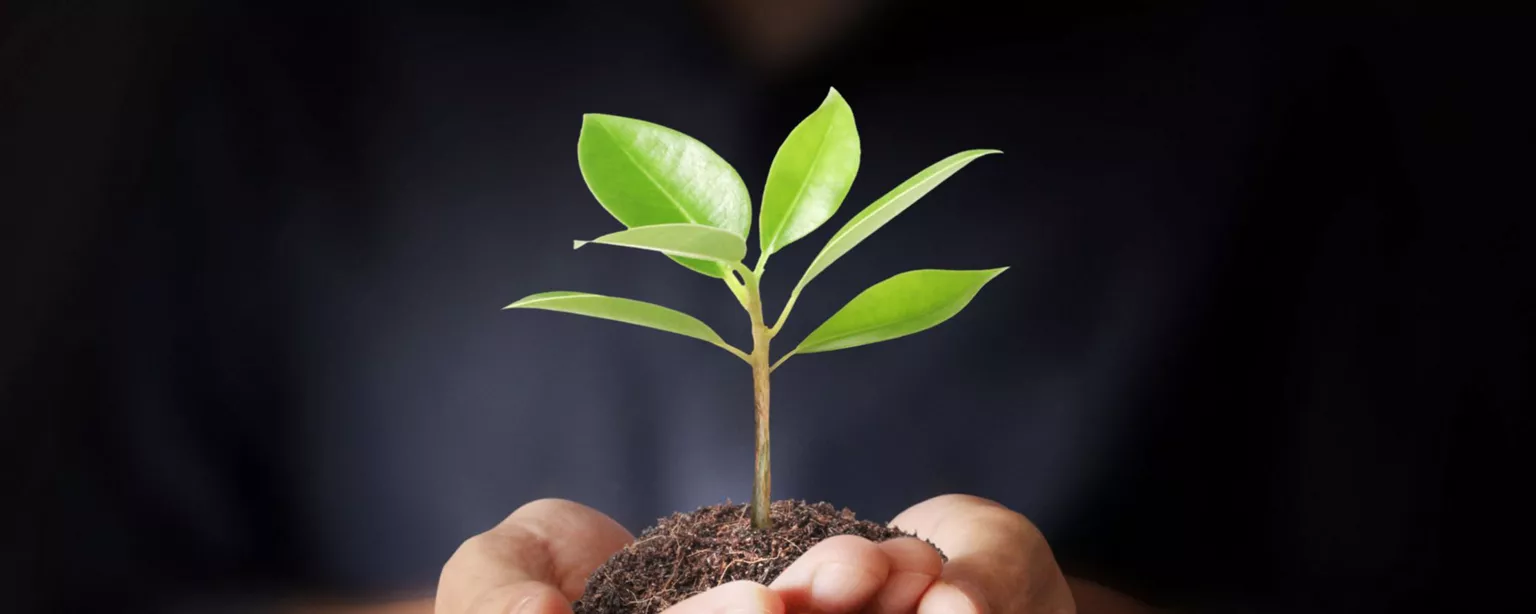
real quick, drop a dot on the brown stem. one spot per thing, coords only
(762, 482)
(762, 477)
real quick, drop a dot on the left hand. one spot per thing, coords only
(999, 563)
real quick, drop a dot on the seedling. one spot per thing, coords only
(677, 197)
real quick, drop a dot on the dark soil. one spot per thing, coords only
(686, 554)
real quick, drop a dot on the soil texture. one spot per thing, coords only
(686, 554)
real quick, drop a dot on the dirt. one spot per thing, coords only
(686, 554)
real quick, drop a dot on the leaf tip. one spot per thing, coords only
(836, 101)
(596, 118)
(993, 273)
(578, 243)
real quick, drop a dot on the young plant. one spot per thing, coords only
(679, 198)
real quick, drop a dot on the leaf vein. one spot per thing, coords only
(876, 327)
(821, 147)
(640, 167)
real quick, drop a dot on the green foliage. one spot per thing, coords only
(677, 197)
(626, 310)
(877, 214)
(910, 302)
(645, 174)
(681, 240)
(810, 175)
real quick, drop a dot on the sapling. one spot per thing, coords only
(677, 197)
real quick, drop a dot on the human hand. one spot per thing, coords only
(999, 563)
(538, 559)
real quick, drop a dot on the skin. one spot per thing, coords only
(537, 560)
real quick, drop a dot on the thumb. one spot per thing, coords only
(740, 597)
(521, 598)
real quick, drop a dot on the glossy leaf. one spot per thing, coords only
(630, 311)
(907, 303)
(645, 174)
(810, 175)
(683, 240)
(876, 215)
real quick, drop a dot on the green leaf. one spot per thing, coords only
(907, 303)
(810, 175)
(876, 215)
(645, 174)
(683, 240)
(639, 313)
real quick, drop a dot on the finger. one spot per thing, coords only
(576, 539)
(520, 598)
(840, 574)
(998, 559)
(914, 567)
(943, 597)
(740, 597)
(549, 542)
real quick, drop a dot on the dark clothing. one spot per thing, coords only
(1265, 344)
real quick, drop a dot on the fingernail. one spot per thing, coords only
(836, 580)
(525, 606)
(946, 598)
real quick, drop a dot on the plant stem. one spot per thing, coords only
(762, 478)
(738, 289)
(781, 360)
(784, 315)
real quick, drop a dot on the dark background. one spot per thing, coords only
(1266, 344)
